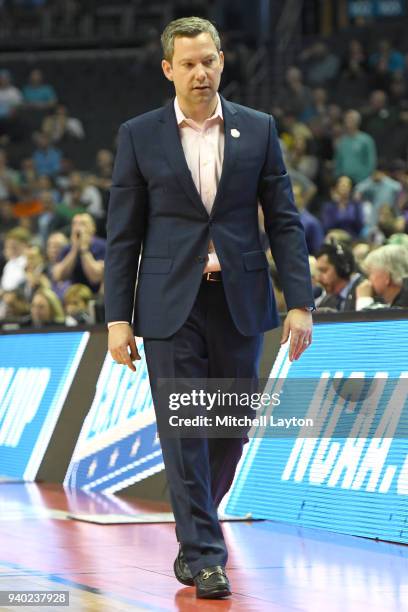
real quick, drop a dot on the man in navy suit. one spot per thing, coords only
(185, 267)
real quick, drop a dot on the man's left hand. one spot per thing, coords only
(299, 324)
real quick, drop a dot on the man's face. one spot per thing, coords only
(326, 274)
(351, 121)
(82, 224)
(195, 69)
(380, 280)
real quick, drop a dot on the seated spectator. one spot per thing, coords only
(320, 64)
(379, 189)
(47, 159)
(82, 195)
(28, 174)
(375, 191)
(37, 94)
(393, 60)
(35, 276)
(51, 219)
(387, 271)
(15, 250)
(290, 128)
(10, 101)
(360, 252)
(296, 96)
(353, 82)
(82, 261)
(16, 309)
(10, 97)
(336, 273)
(398, 90)
(342, 211)
(60, 127)
(62, 181)
(320, 106)
(47, 183)
(77, 300)
(309, 188)
(380, 77)
(102, 177)
(301, 160)
(312, 226)
(45, 309)
(9, 179)
(55, 244)
(355, 153)
(355, 64)
(388, 223)
(13, 262)
(380, 120)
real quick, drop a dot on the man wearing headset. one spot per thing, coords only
(337, 273)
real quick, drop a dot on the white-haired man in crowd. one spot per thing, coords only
(387, 272)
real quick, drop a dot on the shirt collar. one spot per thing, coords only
(180, 116)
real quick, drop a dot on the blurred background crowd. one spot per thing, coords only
(71, 72)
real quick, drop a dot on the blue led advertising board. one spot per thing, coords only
(356, 484)
(118, 444)
(36, 373)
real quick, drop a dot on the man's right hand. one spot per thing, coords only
(121, 339)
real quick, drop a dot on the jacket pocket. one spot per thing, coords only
(155, 265)
(255, 260)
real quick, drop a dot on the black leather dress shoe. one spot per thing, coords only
(212, 583)
(182, 571)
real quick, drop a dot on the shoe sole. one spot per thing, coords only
(214, 594)
(187, 581)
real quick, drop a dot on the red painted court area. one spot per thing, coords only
(118, 567)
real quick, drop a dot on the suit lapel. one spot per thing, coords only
(175, 156)
(231, 146)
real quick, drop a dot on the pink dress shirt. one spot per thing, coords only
(203, 148)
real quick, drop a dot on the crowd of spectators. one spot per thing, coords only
(343, 124)
(347, 157)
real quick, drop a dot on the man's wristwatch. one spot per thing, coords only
(307, 308)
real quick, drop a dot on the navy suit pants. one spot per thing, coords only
(200, 470)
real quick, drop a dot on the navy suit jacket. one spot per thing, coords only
(155, 211)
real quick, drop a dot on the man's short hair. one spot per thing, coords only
(190, 27)
(392, 258)
(340, 257)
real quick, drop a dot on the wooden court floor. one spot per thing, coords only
(272, 566)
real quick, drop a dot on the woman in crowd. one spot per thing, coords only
(342, 211)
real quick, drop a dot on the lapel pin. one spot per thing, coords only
(235, 133)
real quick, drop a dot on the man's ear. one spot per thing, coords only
(167, 70)
(221, 54)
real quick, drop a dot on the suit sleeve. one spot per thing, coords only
(284, 227)
(125, 230)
